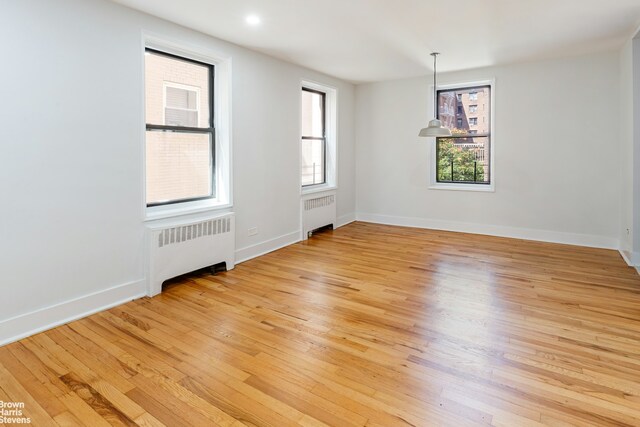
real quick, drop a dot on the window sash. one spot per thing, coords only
(210, 163)
(324, 161)
(475, 90)
(477, 165)
(210, 130)
(322, 138)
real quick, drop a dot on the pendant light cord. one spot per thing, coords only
(435, 87)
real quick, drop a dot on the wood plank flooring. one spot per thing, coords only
(365, 325)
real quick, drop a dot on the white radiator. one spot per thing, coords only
(179, 247)
(318, 210)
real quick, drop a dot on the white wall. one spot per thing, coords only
(630, 151)
(635, 143)
(626, 149)
(71, 180)
(557, 152)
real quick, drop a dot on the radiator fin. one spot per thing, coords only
(318, 202)
(184, 233)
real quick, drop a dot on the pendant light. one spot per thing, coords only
(435, 128)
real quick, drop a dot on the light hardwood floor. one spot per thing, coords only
(366, 325)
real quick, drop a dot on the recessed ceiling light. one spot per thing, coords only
(253, 20)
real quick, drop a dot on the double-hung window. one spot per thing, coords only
(465, 157)
(314, 137)
(180, 137)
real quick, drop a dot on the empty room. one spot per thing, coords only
(320, 213)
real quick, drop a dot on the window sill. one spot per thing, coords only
(318, 189)
(173, 211)
(464, 187)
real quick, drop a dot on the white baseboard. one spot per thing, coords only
(345, 219)
(262, 248)
(495, 230)
(626, 256)
(253, 251)
(40, 320)
(631, 258)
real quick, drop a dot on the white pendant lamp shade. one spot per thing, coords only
(435, 128)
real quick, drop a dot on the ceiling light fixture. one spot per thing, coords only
(253, 20)
(435, 128)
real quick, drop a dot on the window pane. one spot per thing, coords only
(312, 161)
(463, 159)
(178, 166)
(466, 111)
(312, 114)
(176, 92)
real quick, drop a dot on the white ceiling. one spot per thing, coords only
(373, 40)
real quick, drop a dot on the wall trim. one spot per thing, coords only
(626, 256)
(631, 258)
(494, 230)
(253, 251)
(343, 220)
(24, 325)
(259, 249)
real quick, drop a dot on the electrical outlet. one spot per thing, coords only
(252, 231)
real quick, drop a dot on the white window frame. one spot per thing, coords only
(486, 188)
(222, 120)
(331, 126)
(167, 84)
